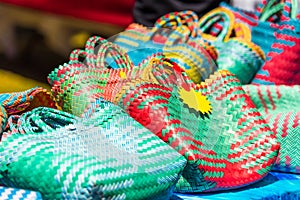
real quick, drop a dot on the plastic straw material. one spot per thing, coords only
(281, 107)
(222, 152)
(104, 155)
(18, 194)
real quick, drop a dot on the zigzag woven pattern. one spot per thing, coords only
(238, 134)
(106, 155)
(282, 63)
(283, 125)
(161, 97)
(18, 194)
(281, 107)
(218, 155)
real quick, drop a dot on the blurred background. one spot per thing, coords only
(38, 35)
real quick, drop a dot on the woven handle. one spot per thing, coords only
(214, 16)
(176, 27)
(176, 19)
(289, 9)
(96, 53)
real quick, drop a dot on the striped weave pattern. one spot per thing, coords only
(222, 152)
(106, 155)
(18, 194)
(280, 106)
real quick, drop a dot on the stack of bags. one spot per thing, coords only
(188, 106)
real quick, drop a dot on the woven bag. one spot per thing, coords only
(161, 97)
(281, 43)
(235, 53)
(281, 107)
(176, 31)
(83, 81)
(105, 155)
(140, 42)
(18, 194)
(182, 118)
(185, 46)
(23, 101)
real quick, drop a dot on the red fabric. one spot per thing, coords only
(118, 12)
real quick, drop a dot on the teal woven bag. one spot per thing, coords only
(105, 155)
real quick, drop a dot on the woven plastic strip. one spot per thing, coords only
(283, 125)
(83, 81)
(106, 155)
(23, 101)
(241, 58)
(281, 107)
(241, 130)
(18, 194)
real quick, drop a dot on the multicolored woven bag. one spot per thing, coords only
(281, 107)
(236, 52)
(18, 194)
(19, 102)
(176, 35)
(140, 42)
(161, 97)
(242, 16)
(105, 155)
(281, 43)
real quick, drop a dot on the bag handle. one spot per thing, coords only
(176, 27)
(118, 56)
(289, 9)
(96, 50)
(174, 20)
(210, 18)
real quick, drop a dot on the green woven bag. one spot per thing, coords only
(222, 152)
(105, 155)
(236, 52)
